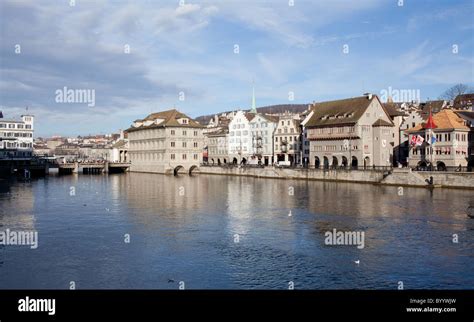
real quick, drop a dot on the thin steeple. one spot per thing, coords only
(254, 107)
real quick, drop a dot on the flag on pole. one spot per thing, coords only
(413, 140)
(419, 140)
(433, 140)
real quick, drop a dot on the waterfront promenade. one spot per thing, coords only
(380, 175)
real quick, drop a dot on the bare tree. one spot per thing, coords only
(451, 93)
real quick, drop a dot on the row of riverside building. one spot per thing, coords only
(359, 132)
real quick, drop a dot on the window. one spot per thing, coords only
(172, 132)
(195, 156)
(195, 144)
(172, 156)
(172, 144)
(195, 133)
(184, 133)
(184, 144)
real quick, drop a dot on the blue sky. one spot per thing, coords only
(189, 48)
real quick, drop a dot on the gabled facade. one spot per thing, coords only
(287, 139)
(263, 127)
(350, 132)
(451, 146)
(240, 138)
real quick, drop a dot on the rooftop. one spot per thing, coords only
(444, 120)
(339, 112)
(169, 119)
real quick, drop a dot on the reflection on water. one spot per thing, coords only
(186, 228)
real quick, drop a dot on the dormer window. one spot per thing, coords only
(183, 121)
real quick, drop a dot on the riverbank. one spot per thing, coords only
(395, 177)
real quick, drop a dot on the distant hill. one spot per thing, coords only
(271, 109)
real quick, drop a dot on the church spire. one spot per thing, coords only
(254, 107)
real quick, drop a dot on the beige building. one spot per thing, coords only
(165, 142)
(450, 148)
(217, 143)
(400, 140)
(356, 131)
(287, 139)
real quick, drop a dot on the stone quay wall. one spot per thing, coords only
(398, 177)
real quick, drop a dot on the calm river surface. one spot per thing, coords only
(184, 229)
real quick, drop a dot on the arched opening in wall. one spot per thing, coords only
(344, 162)
(193, 170)
(244, 161)
(470, 166)
(218, 161)
(335, 162)
(212, 160)
(422, 165)
(234, 161)
(317, 163)
(326, 163)
(441, 166)
(354, 163)
(178, 169)
(366, 162)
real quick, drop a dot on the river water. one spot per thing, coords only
(151, 231)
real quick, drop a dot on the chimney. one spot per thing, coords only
(368, 95)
